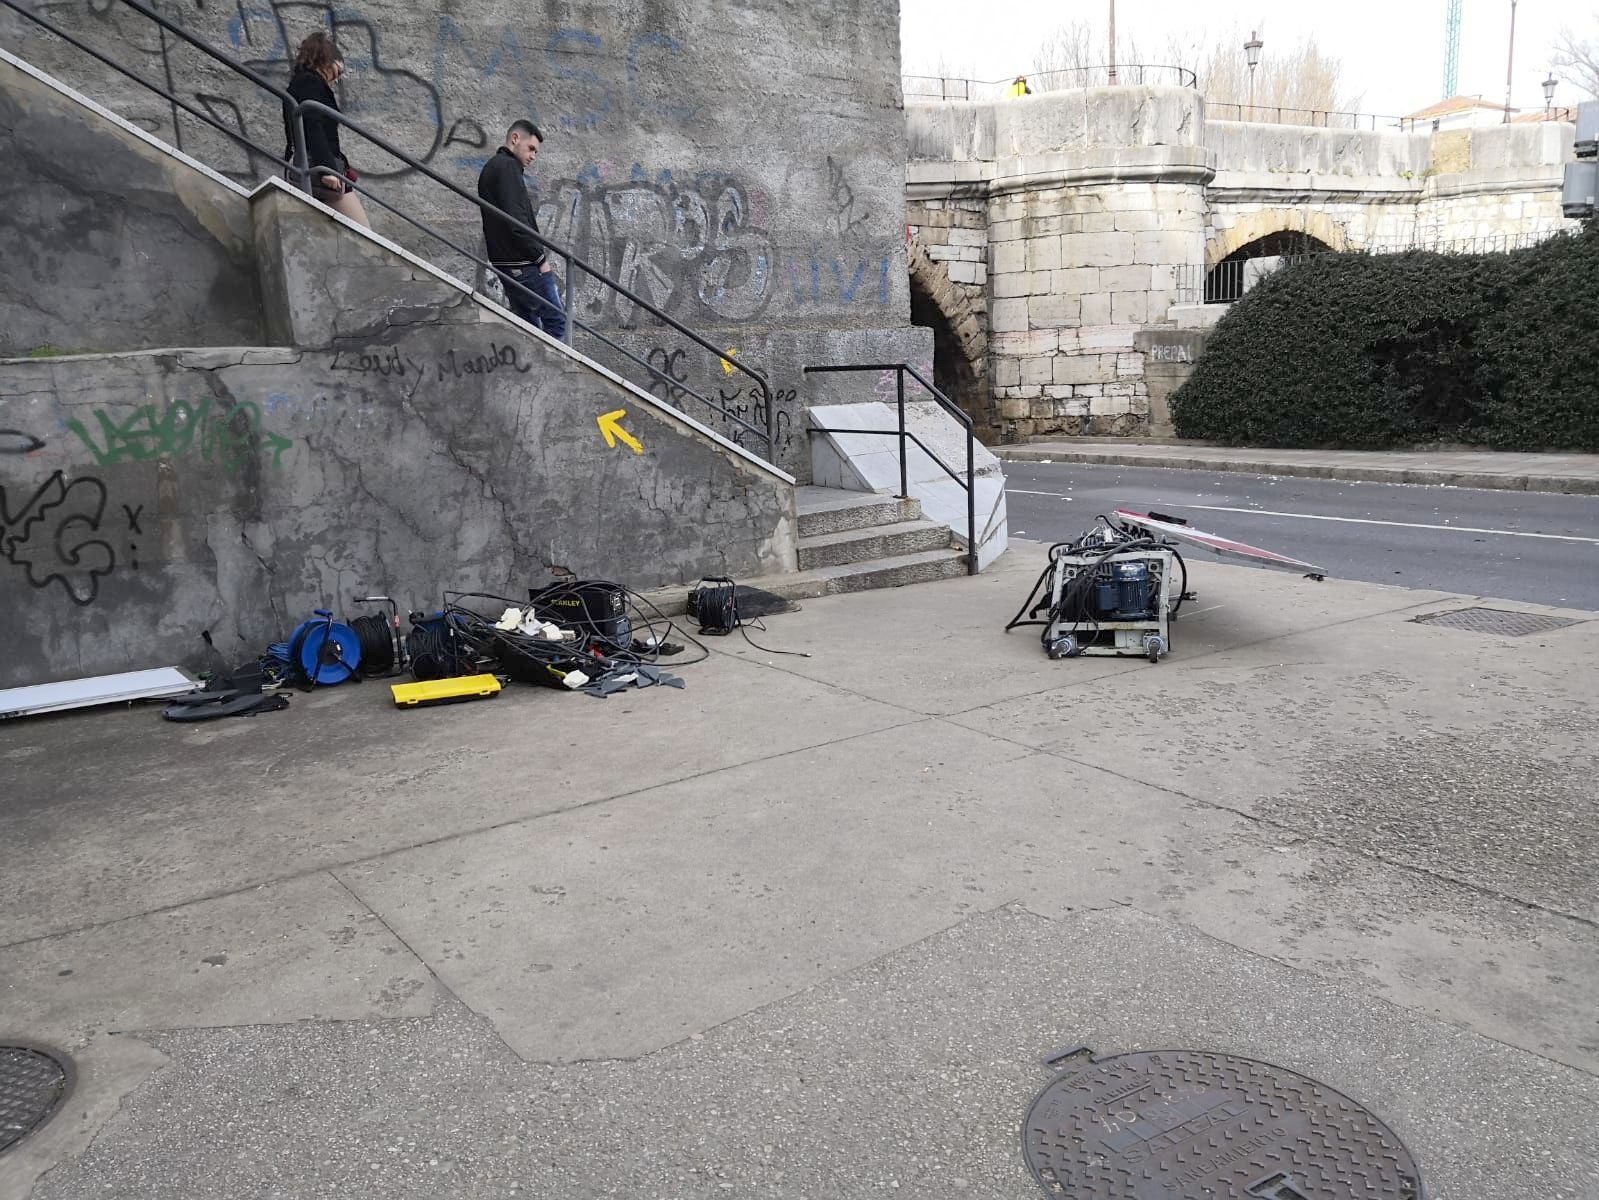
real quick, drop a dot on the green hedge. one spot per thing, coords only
(1374, 351)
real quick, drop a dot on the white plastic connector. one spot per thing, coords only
(510, 619)
(575, 679)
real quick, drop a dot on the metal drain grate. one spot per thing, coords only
(1193, 1123)
(1499, 621)
(33, 1083)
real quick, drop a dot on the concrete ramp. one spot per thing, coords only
(869, 462)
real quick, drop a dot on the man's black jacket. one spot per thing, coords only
(500, 183)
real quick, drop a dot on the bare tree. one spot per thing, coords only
(1577, 59)
(1298, 77)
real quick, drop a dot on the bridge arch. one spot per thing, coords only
(960, 334)
(1256, 226)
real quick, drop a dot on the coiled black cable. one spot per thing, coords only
(377, 644)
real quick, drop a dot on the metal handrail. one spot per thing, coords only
(969, 484)
(299, 172)
(1131, 74)
(1318, 118)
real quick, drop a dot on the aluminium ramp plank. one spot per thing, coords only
(152, 684)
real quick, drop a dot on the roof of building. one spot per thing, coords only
(1558, 113)
(1455, 104)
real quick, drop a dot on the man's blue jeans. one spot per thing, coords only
(548, 316)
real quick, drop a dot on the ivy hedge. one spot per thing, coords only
(1373, 351)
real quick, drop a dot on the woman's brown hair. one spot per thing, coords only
(317, 53)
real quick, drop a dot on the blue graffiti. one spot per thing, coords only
(577, 43)
(848, 292)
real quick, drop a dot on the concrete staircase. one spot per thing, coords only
(853, 541)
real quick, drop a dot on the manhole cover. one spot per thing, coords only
(33, 1083)
(1497, 621)
(1188, 1123)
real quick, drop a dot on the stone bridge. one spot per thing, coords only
(1062, 245)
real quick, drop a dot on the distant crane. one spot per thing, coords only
(1452, 49)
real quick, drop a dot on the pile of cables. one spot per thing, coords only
(597, 627)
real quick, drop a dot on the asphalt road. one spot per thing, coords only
(1528, 546)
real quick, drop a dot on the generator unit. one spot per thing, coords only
(1110, 603)
(1112, 591)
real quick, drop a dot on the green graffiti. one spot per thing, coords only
(229, 438)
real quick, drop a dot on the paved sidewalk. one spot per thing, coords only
(1577, 473)
(807, 928)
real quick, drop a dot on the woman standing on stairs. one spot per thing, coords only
(317, 66)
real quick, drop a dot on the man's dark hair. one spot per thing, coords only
(526, 128)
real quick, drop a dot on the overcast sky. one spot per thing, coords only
(1392, 51)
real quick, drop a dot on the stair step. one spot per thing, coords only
(879, 541)
(924, 567)
(833, 510)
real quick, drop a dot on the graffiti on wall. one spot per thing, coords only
(692, 248)
(54, 535)
(227, 438)
(678, 371)
(426, 112)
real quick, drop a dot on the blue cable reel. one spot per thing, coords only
(323, 650)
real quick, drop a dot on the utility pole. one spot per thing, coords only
(1510, 66)
(1113, 42)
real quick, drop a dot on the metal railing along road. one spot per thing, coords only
(945, 87)
(969, 484)
(301, 173)
(1276, 114)
(1229, 279)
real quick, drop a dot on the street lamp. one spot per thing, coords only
(1549, 93)
(1252, 54)
(1510, 64)
(1112, 43)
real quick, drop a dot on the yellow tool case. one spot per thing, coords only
(445, 691)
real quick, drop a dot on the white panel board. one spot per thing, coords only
(98, 689)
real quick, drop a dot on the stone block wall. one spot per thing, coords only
(1105, 208)
(954, 232)
(1075, 272)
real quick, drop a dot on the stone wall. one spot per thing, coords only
(88, 210)
(1105, 208)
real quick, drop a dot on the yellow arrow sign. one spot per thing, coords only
(727, 361)
(611, 426)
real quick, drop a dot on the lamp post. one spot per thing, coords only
(1252, 55)
(1113, 42)
(1510, 66)
(1549, 94)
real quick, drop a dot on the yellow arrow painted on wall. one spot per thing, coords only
(611, 426)
(727, 363)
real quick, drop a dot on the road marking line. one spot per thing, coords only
(1263, 512)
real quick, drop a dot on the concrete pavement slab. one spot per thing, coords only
(909, 1075)
(119, 812)
(1458, 753)
(615, 930)
(300, 950)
